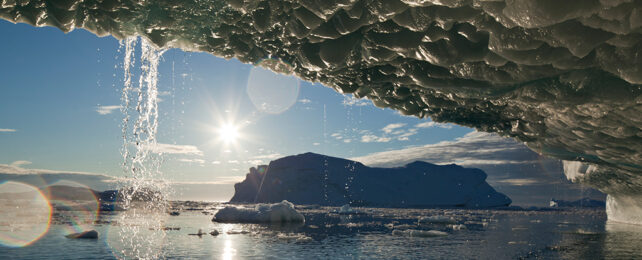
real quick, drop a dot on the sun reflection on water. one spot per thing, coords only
(228, 250)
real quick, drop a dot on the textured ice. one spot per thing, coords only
(562, 76)
(261, 213)
(318, 179)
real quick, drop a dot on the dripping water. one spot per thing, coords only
(325, 161)
(143, 194)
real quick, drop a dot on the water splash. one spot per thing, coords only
(144, 193)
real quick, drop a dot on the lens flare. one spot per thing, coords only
(271, 86)
(75, 205)
(25, 216)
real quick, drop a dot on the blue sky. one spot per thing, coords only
(54, 84)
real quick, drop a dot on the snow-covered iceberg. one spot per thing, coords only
(282, 212)
(318, 179)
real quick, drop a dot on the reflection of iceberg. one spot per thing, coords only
(563, 78)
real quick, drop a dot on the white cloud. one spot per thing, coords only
(305, 101)
(475, 148)
(352, 101)
(216, 162)
(347, 140)
(271, 156)
(41, 177)
(255, 162)
(16, 168)
(7, 130)
(199, 161)
(433, 124)
(233, 161)
(403, 135)
(389, 128)
(316, 144)
(105, 110)
(20, 163)
(337, 136)
(216, 180)
(369, 138)
(174, 149)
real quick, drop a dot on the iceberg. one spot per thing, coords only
(311, 178)
(282, 212)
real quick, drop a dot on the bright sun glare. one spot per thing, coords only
(228, 133)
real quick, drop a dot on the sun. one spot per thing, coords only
(228, 133)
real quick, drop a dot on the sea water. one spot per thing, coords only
(358, 233)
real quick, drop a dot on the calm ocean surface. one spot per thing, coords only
(371, 233)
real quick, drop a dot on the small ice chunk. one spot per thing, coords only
(200, 233)
(261, 213)
(91, 234)
(436, 220)
(419, 233)
(298, 238)
(458, 227)
(346, 209)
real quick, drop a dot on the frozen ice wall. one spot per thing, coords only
(562, 76)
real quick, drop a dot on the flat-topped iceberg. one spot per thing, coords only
(318, 179)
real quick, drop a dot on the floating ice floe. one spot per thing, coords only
(346, 209)
(458, 227)
(282, 212)
(436, 220)
(419, 233)
(298, 238)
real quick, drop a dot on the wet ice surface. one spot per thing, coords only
(369, 233)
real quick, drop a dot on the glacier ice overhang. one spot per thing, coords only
(562, 76)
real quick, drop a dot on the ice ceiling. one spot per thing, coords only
(562, 76)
